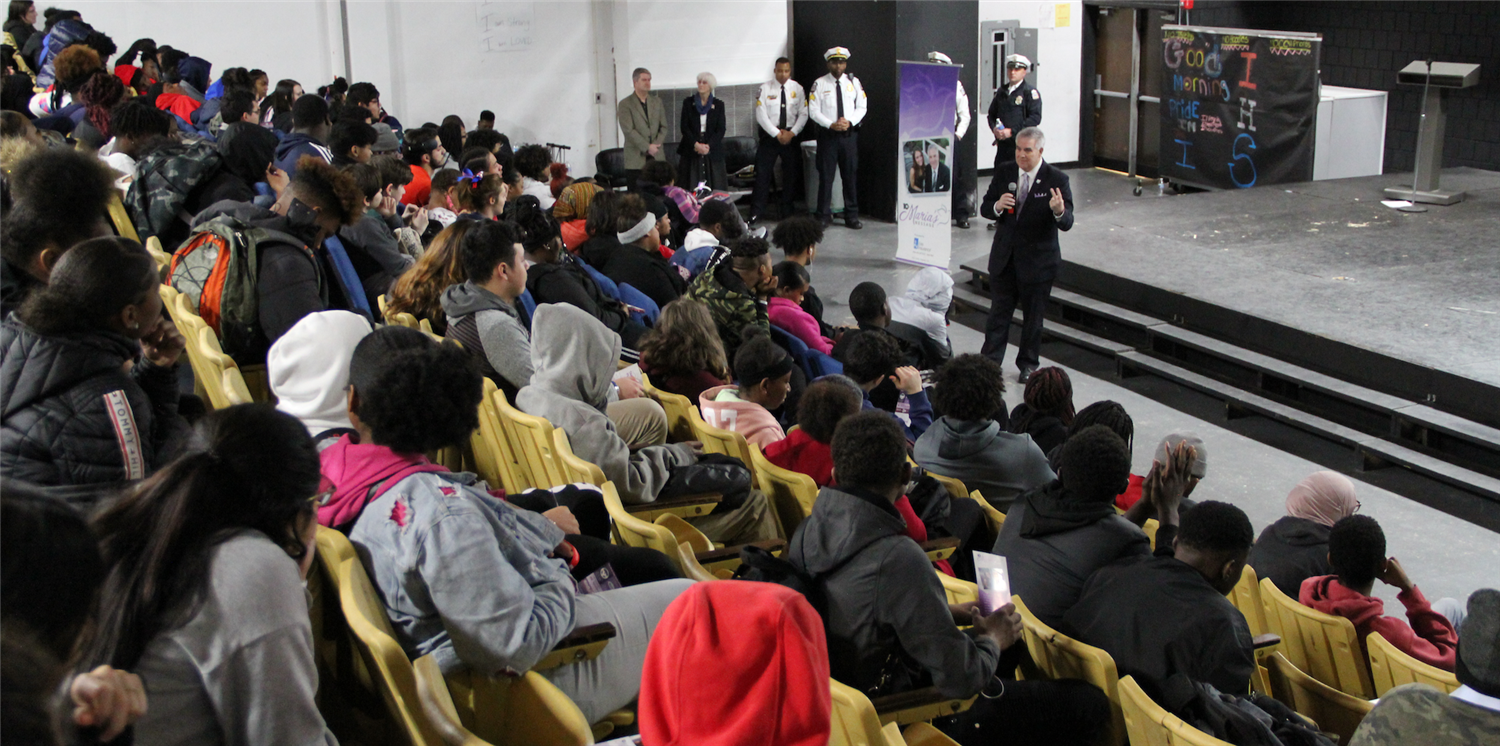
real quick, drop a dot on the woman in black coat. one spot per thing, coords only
(89, 393)
(700, 150)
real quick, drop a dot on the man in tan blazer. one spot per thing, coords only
(643, 119)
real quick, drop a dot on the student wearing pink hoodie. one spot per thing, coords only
(1356, 550)
(764, 372)
(785, 307)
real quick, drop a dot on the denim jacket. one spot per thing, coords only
(464, 575)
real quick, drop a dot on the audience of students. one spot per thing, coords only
(466, 576)
(1295, 547)
(555, 276)
(573, 357)
(1356, 553)
(170, 612)
(966, 441)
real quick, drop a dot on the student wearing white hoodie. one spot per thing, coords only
(308, 369)
(925, 306)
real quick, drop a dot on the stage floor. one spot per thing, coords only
(1323, 257)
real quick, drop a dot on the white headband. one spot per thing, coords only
(639, 231)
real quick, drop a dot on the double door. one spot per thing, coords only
(1127, 87)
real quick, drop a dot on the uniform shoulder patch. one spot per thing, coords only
(1035, 94)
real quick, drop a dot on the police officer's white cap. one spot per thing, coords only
(1018, 59)
(836, 53)
(939, 57)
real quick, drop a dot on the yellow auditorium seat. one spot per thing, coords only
(1391, 667)
(1149, 724)
(1332, 710)
(677, 407)
(574, 469)
(791, 493)
(524, 711)
(494, 460)
(1323, 645)
(1246, 598)
(1057, 656)
(957, 489)
(719, 440)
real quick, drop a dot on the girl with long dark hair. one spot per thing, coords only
(204, 595)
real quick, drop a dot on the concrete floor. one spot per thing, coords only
(1444, 555)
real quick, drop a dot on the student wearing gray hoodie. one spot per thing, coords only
(967, 442)
(573, 356)
(482, 313)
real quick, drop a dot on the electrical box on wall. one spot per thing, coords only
(998, 40)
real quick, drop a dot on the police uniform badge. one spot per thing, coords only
(1018, 100)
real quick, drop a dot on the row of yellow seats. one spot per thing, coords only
(429, 708)
(1328, 648)
(217, 378)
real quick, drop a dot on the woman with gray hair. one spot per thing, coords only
(700, 149)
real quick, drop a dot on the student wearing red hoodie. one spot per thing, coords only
(768, 687)
(1356, 550)
(825, 403)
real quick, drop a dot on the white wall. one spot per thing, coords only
(1060, 52)
(736, 40)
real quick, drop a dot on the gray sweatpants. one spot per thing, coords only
(613, 680)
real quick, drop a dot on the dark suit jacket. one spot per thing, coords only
(689, 134)
(942, 178)
(1028, 236)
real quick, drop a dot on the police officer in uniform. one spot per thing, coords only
(962, 189)
(1016, 106)
(837, 103)
(781, 113)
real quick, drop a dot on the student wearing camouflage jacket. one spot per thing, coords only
(1470, 715)
(735, 288)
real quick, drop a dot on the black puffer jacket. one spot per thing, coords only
(71, 415)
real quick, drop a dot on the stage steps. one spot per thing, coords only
(1382, 429)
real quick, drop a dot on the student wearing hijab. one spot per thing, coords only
(1295, 547)
(763, 688)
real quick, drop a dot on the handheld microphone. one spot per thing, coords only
(1013, 187)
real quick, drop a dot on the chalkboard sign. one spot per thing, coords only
(1238, 106)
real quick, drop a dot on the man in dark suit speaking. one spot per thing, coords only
(1030, 202)
(942, 177)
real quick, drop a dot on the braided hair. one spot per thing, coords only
(1049, 393)
(99, 95)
